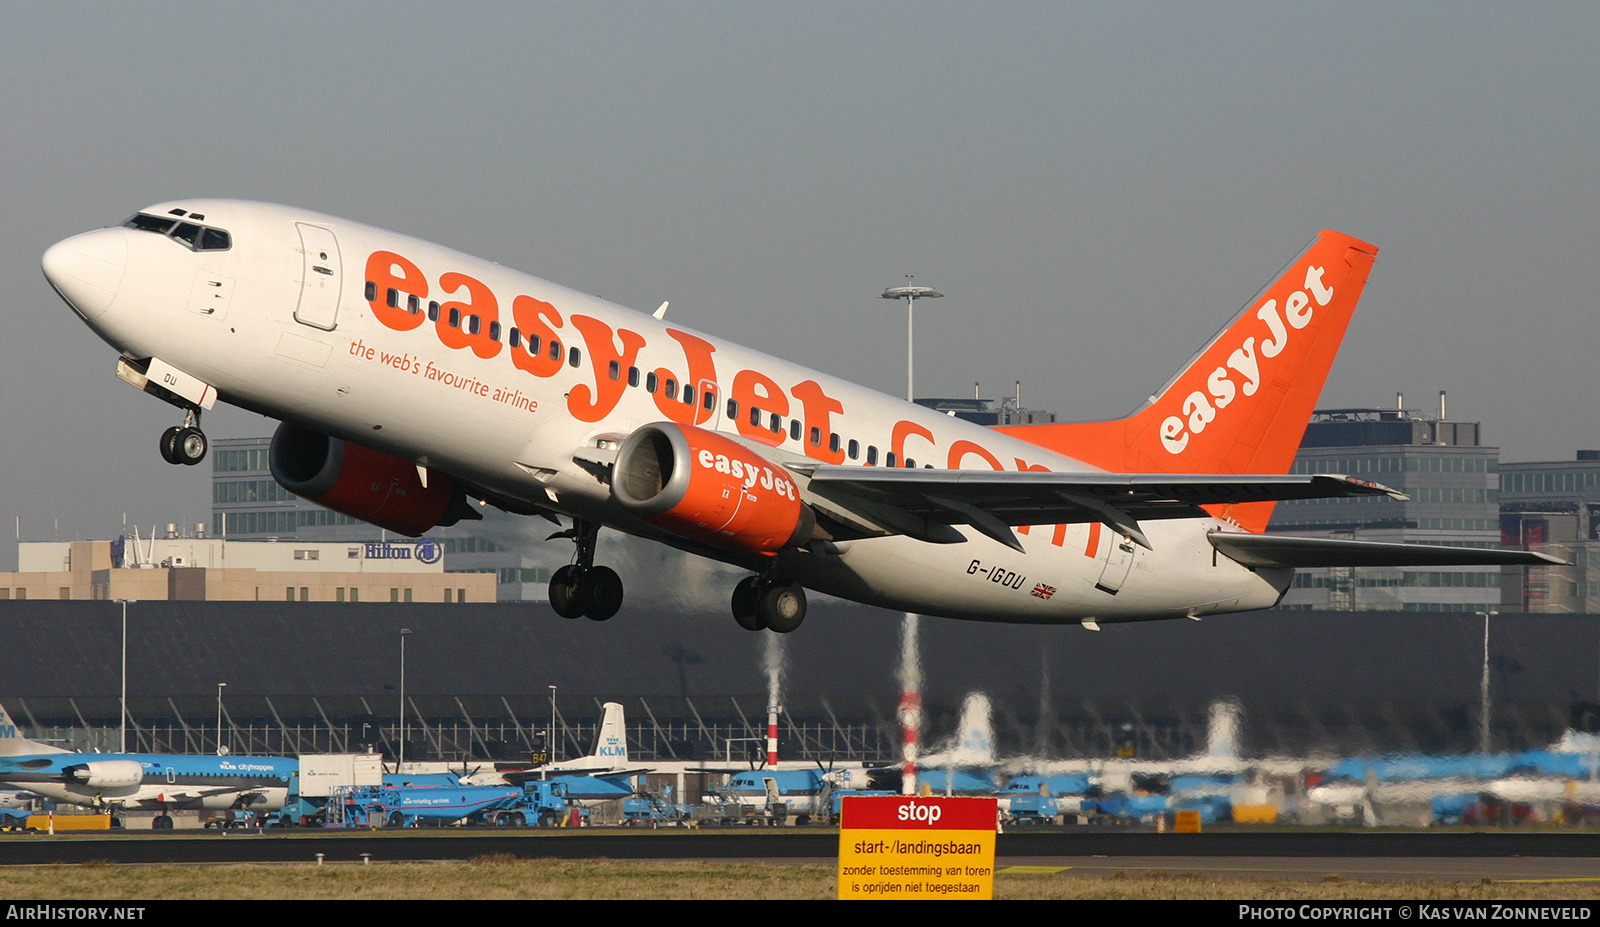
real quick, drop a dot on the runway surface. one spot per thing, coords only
(1296, 855)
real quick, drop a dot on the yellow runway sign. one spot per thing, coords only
(900, 846)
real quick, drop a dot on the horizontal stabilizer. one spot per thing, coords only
(1269, 550)
(519, 776)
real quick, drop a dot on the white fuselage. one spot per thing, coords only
(293, 335)
(157, 781)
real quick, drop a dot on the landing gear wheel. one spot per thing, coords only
(747, 603)
(602, 590)
(783, 607)
(567, 593)
(161, 822)
(190, 446)
(581, 588)
(169, 445)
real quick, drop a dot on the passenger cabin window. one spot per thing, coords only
(777, 424)
(555, 349)
(472, 324)
(709, 400)
(816, 437)
(888, 459)
(433, 311)
(794, 429)
(872, 456)
(514, 338)
(574, 357)
(755, 416)
(650, 382)
(854, 449)
(833, 443)
(455, 318)
(494, 331)
(733, 410)
(672, 388)
(633, 376)
(614, 370)
(413, 304)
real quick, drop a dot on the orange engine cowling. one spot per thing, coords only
(363, 483)
(698, 484)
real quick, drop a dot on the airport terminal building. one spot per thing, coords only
(201, 568)
(1452, 480)
(1553, 506)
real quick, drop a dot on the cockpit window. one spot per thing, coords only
(192, 236)
(150, 224)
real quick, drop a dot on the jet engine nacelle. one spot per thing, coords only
(363, 483)
(700, 485)
(106, 774)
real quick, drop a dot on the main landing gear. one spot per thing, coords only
(772, 605)
(581, 589)
(185, 444)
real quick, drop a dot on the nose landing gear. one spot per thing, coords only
(768, 604)
(185, 444)
(581, 589)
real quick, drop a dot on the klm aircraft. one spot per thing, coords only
(143, 781)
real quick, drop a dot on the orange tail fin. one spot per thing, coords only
(1242, 404)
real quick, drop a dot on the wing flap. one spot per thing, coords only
(918, 502)
(1270, 550)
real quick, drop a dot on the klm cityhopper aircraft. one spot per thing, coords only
(144, 781)
(412, 379)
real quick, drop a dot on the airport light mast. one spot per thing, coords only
(404, 633)
(122, 746)
(910, 660)
(221, 751)
(911, 294)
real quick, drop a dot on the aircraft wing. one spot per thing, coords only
(924, 504)
(1270, 550)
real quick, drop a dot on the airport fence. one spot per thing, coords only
(472, 741)
(450, 728)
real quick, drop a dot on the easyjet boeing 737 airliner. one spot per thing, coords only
(412, 379)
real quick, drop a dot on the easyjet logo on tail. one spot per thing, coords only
(1200, 409)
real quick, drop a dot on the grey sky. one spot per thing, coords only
(1095, 188)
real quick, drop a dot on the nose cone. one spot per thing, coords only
(87, 269)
